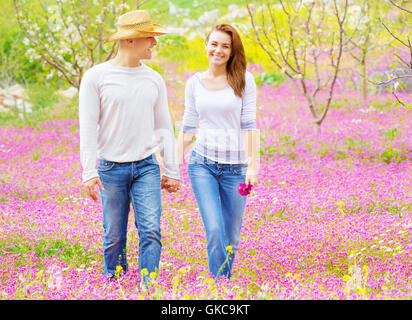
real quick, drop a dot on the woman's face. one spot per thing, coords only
(219, 47)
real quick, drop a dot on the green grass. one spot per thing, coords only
(61, 248)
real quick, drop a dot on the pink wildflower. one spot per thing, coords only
(244, 189)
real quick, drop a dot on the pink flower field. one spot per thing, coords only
(331, 217)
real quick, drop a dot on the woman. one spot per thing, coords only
(223, 101)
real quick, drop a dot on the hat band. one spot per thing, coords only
(134, 26)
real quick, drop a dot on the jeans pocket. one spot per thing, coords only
(238, 169)
(104, 165)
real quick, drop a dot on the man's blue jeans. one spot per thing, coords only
(137, 183)
(215, 187)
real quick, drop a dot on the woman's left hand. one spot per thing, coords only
(251, 177)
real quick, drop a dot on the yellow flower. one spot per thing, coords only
(346, 277)
(296, 276)
(340, 203)
(289, 274)
(346, 290)
(117, 272)
(365, 268)
(361, 290)
(182, 270)
(144, 272)
(153, 275)
(208, 280)
(229, 249)
(39, 275)
(176, 281)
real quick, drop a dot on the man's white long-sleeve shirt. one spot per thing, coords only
(124, 117)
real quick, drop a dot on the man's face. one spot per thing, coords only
(143, 47)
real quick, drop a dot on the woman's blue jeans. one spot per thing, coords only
(215, 187)
(137, 183)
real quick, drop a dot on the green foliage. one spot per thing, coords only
(173, 48)
(197, 7)
(184, 53)
(43, 98)
(393, 209)
(390, 134)
(386, 106)
(63, 249)
(350, 147)
(336, 105)
(14, 64)
(390, 153)
(270, 79)
(68, 36)
(284, 147)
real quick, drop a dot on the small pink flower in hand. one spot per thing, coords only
(244, 189)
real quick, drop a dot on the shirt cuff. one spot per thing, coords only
(89, 175)
(172, 171)
(251, 125)
(189, 129)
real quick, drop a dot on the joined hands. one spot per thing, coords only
(170, 184)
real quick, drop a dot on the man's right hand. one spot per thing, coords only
(90, 187)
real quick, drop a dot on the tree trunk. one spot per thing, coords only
(316, 127)
(364, 82)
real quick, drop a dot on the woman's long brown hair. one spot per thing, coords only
(236, 66)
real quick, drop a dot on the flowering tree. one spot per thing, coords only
(369, 37)
(396, 79)
(68, 34)
(301, 38)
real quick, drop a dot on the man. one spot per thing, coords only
(124, 119)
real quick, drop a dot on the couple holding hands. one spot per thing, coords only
(124, 120)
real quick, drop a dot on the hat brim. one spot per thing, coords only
(152, 31)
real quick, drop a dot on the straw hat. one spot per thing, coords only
(136, 24)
